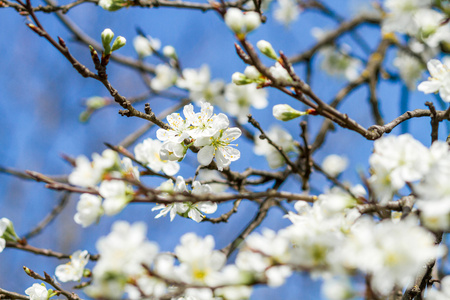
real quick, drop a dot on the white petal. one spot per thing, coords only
(205, 155)
(231, 134)
(436, 68)
(195, 215)
(171, 168)
(429, 87)
(207, 207)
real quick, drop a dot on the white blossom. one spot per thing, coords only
(122, 254)
(280, 73)
(219, 147)
(199, 262)
(241, 97)
(148, 153)
(391, 252)
(338, 289)
(409, 67)
(89, 210)
(37, 292)
(338, 62)
(400, 16)
(287, 11)
(146, 45)
(195, 211)
(117, 194)
(200, 86)
(178, 128)
(165, 77)
(432, 29)
(395, 161)
(73, 270)
(439, 80)
(334, 164)
(85, 174)
(205, 124)
(282, 138)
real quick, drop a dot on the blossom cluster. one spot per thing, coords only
(205, 130)
(402, 160)
(131, 264)
(109, 172)
(329, 238)
(195, 211)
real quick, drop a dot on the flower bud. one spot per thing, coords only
(27, 270)
(284, 112)
(118, 43)
(9, 234)
(240, 79)
(107, 37)
(96, 102)
(252, 20)
(170, 52)
(112, 5)
(266, 48)
(252, 72)
(234, 18)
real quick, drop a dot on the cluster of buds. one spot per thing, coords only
(252, 75)
(107, 37)
(242, 23)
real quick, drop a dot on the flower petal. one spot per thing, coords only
(205, 155)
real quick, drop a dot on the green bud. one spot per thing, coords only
(9, 234)
(240, 79)
(170, 52)
(85, 116)
(266, 48)
(96, 102)
(284, 112)
(118, 43)
(112, 5)
(27, 270)
(107, 37)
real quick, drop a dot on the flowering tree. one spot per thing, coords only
(378, 236)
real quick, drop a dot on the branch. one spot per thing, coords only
(12, 295)
(44, 252)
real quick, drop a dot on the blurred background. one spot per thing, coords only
(42, 97)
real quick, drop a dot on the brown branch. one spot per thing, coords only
(43, 252)
(48, 279)
(46, 9)
(225, 216)
(131, 139)
(59, 186)
(280, 150)
(4, 294)
(155, 196)
(434, 122)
